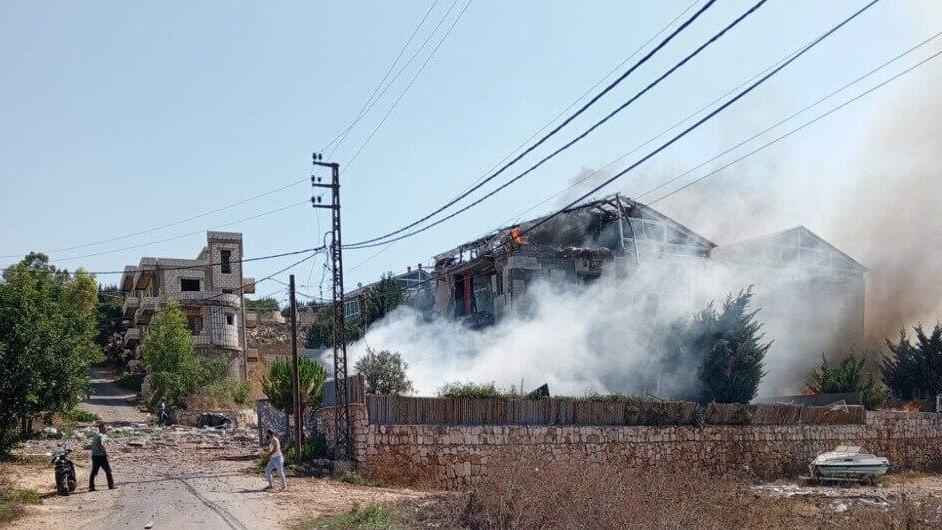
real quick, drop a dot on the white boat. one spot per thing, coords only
(848, 462)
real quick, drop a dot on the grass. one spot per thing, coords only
(78, 415)
(356, 479)
(13, 499)
(371, 517)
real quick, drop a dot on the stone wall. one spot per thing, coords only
(452, 457)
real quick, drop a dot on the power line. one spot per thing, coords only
(701, 109)
(561, 113)
(709, 116)
(799, 128)
(210, 264)
(368, 104)
(581, 136)
(547, 136)
(411, 83)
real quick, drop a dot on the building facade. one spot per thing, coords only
(209, 289)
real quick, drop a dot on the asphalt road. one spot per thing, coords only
(157, 487)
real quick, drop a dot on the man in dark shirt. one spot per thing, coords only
(100, 459)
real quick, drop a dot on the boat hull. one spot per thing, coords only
(839, 471)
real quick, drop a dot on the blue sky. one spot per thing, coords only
(116, 117)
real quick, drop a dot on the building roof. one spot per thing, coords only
(803, 241)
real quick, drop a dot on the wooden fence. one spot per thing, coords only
(400, 410)
(356, 390)
(737, 414)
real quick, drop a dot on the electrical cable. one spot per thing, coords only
(578, 138)
(552, 132)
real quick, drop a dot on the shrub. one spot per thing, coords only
(129, 381)
(846, 375)
(914, 370)
(78, 415)
(223, 394)
(12, 500)
(384, 372)
(469, 390)
(373, 516)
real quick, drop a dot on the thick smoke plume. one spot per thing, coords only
(603, 337)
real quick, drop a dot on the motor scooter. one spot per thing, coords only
(65, 471)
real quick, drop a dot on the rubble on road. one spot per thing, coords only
(132, 437)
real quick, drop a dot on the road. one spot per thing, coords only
(170, 486)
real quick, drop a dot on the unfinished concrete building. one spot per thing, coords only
(811, 294)
(209, 289)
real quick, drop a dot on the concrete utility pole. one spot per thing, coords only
(341, 397)
(295, 374)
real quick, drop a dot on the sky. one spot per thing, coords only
(118, 117)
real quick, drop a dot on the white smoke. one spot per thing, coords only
(600, 337)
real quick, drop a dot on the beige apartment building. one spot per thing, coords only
(209, 289)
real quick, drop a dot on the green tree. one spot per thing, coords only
(47, 327)
(262, 303)
(277, 385)
(176, 370)
(384, 372)
(110, 323)
(913, 370)
(846, 375)
(729, 348)
(380, 299)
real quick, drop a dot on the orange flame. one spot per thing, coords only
(911, 406)
(516, 236)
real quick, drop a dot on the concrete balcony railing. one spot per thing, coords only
(132, 335)
(131, 303)
(208, 298)
(146, 308)
(218, 340)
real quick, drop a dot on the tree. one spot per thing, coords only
(277, 385)
(47, 327)
(176, 370)
(380, 299)
(110, 323)
(262, 303)
(320, 334)
(846, 375)
(914, 370)
(384, 372)
(729, 349)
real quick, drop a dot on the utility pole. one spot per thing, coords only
(341, 400)
(295, 374)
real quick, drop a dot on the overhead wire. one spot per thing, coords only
(547, 136)
(578, 138)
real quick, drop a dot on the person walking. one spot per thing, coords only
(276, 460)
(100, 459)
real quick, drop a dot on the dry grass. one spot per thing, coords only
(590, 496)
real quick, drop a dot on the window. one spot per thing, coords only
(189, 284)
(225, 261)
(352, 309)
(195, 322)
(230, 319)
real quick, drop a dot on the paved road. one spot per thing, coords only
(111, 402)
(158, 487)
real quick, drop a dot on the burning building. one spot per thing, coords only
(810, 292)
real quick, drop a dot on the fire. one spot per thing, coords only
(516, 236)
(911, 406)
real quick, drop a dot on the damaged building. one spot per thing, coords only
(803, 281)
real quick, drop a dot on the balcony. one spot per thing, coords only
(227, 340)
(132, 336)
(208, 298)
(131, 303)
(147, 307)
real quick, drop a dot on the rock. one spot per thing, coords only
(50, 431)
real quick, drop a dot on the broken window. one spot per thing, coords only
(225, 261)
(189, 284)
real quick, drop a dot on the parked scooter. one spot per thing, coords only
(65, 471)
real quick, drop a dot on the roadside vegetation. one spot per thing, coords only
(374, 517)
(48, 326)
(13, 500)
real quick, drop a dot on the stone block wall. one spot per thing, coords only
(451, 457)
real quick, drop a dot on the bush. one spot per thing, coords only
(469, 390)
(847, 375)
(384, 372)
(223, 394)
(373, 516)
(78, 415)
(12, 500)
(129, 381)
